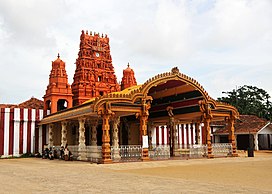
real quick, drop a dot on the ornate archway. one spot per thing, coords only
(171, 98)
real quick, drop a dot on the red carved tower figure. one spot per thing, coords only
(58, 95)
(128, 79)
(94, 75)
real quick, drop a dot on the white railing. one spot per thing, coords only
(74, 150)
(222, 149)
(159, 152)
(127, 153)
(94, 153)
(200, 150)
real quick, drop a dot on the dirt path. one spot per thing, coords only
(221, 175)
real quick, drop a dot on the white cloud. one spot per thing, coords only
(220, 43)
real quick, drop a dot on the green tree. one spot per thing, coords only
(249, 100)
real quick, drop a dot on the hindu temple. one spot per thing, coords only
(104, 121)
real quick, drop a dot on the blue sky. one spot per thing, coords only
(220, 43)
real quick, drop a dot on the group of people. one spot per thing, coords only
(52, 153)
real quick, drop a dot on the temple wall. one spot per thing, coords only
(19, 132)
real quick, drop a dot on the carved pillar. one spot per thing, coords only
(93, 127)
(106, 113)
(207, 128)
(115, 142)
(50, 135)
(197, 132)
(94, 153)
(207, 117)
(232, 136)
(81, 140)
(143, 129)
(173, 127)
(143, 116)
(173, 132)
(106, 152)
(63, 133)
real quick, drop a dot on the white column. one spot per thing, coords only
(40, 139)
(154, 136)
(16, 132)
(194, 134)
(6, 132)
(185, 135)
(256, 142)
(115, 139)
(81, 140)
(149, 132)
(50, 135)
(63, 133)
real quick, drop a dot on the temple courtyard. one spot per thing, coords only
(220, 175)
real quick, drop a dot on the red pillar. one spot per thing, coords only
(187, 134)
(157, 135)
(182, 135)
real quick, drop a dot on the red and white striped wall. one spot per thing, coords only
(186, 135)
(19, 132)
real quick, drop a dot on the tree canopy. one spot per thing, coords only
(249, 100)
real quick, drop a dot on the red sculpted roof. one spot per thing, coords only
(8, 106)
(128, 79)
(246, 124)
(128, 69)
(32, 103)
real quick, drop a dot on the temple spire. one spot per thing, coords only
(128, 79)
(58, 94)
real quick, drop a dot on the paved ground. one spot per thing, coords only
(220, 175)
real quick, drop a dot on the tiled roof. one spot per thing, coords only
(8, 106)
(246, 124)
(32, 103)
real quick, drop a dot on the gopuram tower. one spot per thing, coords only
(94, 75)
